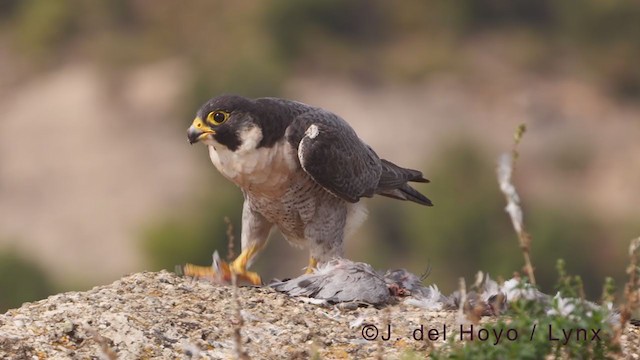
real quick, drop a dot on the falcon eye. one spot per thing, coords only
(217, 117)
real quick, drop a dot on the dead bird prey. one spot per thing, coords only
(345, 281)
(339, 281)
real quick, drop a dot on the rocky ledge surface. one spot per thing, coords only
(161, 315)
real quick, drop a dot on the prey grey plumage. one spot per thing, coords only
(339, 281)
(301, 169)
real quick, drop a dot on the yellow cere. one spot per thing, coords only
(199, 124)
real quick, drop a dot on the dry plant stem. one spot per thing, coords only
(386, 323)
(525, 242)
(523, 236)
(230, 238)
(239, 322)
(430, 345)
(506, 165)
(463, 298)
(210, 272)
(106, 349)
(631, 289)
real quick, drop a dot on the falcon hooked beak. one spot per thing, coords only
(198, 131)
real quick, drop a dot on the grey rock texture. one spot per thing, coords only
(163, 316)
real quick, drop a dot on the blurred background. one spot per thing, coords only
(97, 179)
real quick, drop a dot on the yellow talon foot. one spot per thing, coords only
(199, 272)
(222, 272)
(313, 265)
(240, 270)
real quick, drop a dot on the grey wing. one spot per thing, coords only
(332, 154)
(339, 280)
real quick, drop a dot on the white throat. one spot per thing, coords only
(249, 166)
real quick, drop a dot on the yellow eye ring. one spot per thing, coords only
(217, 117)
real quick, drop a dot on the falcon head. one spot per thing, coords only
(223, 120)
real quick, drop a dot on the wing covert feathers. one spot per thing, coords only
(332, 154)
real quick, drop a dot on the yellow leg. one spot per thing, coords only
(223, 271)
(197, 271)
(239, 266)
(313, 264)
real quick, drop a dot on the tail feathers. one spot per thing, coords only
(406, 192)
(394, 176)
(393, 183)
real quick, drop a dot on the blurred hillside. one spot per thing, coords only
(97, 178)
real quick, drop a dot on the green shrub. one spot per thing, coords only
(193, 236)
(539, 329)
(21, 280)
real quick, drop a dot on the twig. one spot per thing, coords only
(230, 239)
(506, 164)
(463, 299)
(239, 321)
(631, 289)
(608, 291)
(213, 273)
(106, 351)
(386, 319)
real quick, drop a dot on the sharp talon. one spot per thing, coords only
(251, 277)
(198, 272)
(222, 272)
(313, 265)
(241, 272)
(219, 272)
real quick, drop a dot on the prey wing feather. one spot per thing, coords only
(333, 155)
(339, 280)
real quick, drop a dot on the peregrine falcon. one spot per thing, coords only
(301, 169)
